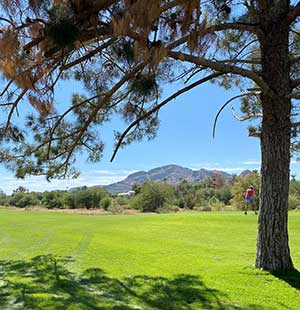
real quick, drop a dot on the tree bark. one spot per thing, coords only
(273, 251)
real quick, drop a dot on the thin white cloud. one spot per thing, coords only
(109, 172)
(114, 172)
(251, 162)
(41, 184)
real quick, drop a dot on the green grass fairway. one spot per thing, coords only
(184, 261)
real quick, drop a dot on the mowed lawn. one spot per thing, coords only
(123, 262)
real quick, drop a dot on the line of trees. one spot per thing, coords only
(213, 194)
(89, 198)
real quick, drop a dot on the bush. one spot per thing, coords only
(168, 208)
(215, 204)
(153, 196)
(201, 203)
(294, 202)
(84, 198)
(69, 201)
(122, 201)
(23, 200)
(115, 208)
(3, 200)
(53, 200)
(205, 208)
(137, 202)
(223, 194)
(105, 203)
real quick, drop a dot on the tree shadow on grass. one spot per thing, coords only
(45, 283)
(290, 277)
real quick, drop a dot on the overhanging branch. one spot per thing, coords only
(98, 107)
(88, 55)
(224, 68)
(159, 106)
(224, 105)
(252, 28)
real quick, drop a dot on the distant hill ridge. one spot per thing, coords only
(172, 174)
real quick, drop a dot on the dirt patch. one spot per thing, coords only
(73, 211)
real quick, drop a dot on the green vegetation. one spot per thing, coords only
(89, 198)
(238, 189)
(153, 197)
(212, 194)
(183, 261)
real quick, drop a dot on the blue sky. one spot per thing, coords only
(184, 138)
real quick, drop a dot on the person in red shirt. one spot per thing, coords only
(249, 199)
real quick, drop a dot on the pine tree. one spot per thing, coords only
(122, 51)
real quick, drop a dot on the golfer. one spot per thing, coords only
(249, 199)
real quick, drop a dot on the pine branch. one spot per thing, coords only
(252, 28)
(87, 55)
(158, 107)
(224, 106)
(13, 108)
(98, 107)
(224, 68)
(244, 118)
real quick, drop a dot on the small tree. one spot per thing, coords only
(89, 198)
(239, 189)
(217, 180)
(20, 189)
(3, 198)
(105, 203)
(153, 196)
(23, 200)
(53, 199)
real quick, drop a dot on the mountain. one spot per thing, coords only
(245, 173)
(172, 174)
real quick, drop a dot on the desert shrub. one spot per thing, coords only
(122, 201)
(137, 202)
(200, 203)
(294, 202)
(168, 208)
(115, 208)
(215, 204)
(205, 208)
(105, 203)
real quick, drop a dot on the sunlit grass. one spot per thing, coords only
(172, 262)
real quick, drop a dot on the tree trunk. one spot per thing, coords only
(273, 251)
